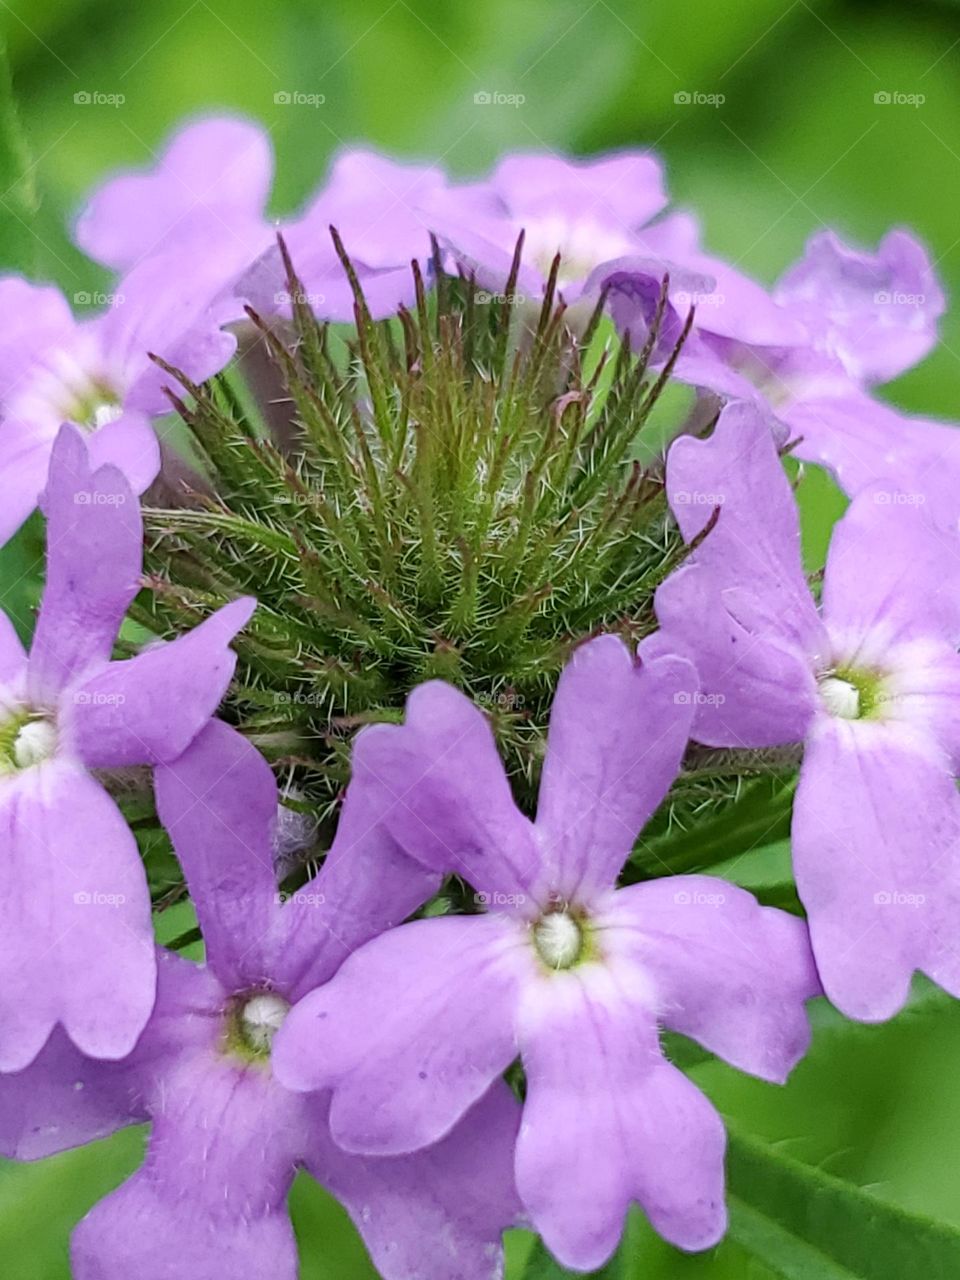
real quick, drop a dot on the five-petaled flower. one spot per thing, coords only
(564, 970)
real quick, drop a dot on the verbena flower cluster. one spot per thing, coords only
(454, 1021)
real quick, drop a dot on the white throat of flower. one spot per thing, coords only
(840, 697)
(558, 938)
(75, 386)
(261, 1017)
(27, 738)
(582, 244)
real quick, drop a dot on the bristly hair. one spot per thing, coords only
(461, 491)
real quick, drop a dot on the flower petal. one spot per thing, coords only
(13, 657)
(220, 1162)
(727, 972)
(174, 307)
(76, 942)
(367, 884)
(607, 1120)
(24, 464)
(94, 558)
(130, 444)
(148, 709)
(891, 576)
(876, 870)
(740, 606)
(410, 1033)
(437, 1214)
(218, 801)
(139, 1231)
(213, 177)
(877, 311)
(862, 441)
(618, 729)
(624, 188)
(35, 318)
(65, 1099)
(452, 808)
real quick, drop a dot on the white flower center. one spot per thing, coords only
(558, 939)
(27, 738)
(261, 1018)
(35, 743)
(103, 414)
(841, 698)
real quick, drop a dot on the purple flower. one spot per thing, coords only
(864, 318)
(205, 196)
(226, 1137)
(870, 683)
(598, 215)
(75, 934)
(560, 968)
(97, 373)
(374, 204)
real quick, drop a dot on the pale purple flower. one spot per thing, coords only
(374, 204)
(75, 934)
(869, 682)
(227, 1139)
(561, 968)
(600, 216)
(205, 198)
(865, 317)
(97, 373)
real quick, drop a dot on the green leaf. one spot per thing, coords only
(805, 1224)
(18, 194)
(41, 1202)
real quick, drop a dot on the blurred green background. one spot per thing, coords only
(798, 141)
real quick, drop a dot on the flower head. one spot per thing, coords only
(868, 682)
(74, 906)
(860, 318)
(226, 1137)
(560, 967)
(97, 373)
